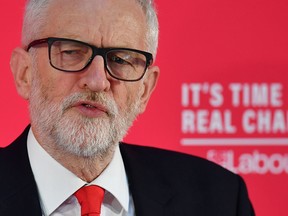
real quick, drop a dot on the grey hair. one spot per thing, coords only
(152, 25)
(36, 11)
(34, 20)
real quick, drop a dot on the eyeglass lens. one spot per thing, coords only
(74, 56)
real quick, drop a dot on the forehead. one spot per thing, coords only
(100, 22)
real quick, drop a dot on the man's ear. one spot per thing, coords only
(150, 82)
(20, 65)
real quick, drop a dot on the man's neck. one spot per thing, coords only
(86, 168)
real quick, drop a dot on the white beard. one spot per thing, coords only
(76, 134)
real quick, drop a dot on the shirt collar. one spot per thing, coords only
(55, 183)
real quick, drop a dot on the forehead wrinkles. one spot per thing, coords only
(124, 30)
(98, 21)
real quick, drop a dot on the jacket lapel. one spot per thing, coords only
(19, 194)
(21, 202)
(150, 194)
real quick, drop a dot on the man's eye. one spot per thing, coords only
(70, 52)
(118, 60)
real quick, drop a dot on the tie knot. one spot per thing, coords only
(90, 198)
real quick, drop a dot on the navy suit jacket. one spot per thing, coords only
(162, 183)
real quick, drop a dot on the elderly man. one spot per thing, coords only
(86, 68)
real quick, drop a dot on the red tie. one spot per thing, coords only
(90, 199)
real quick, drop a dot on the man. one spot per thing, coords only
(86, 69)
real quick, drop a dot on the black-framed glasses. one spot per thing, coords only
(71, 55)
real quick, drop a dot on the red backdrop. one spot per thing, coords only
(222, 94)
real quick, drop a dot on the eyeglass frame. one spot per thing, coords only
(95, 51)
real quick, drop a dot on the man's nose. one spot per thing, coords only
(94, 77)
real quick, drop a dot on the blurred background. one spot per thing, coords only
(222, 93)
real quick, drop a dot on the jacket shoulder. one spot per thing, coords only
(172, 160)
(196, 183)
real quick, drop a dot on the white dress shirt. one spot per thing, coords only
(56, 185)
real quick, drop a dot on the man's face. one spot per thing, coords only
(88, 112)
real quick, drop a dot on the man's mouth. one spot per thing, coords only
(89, 106)
(90, 109)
